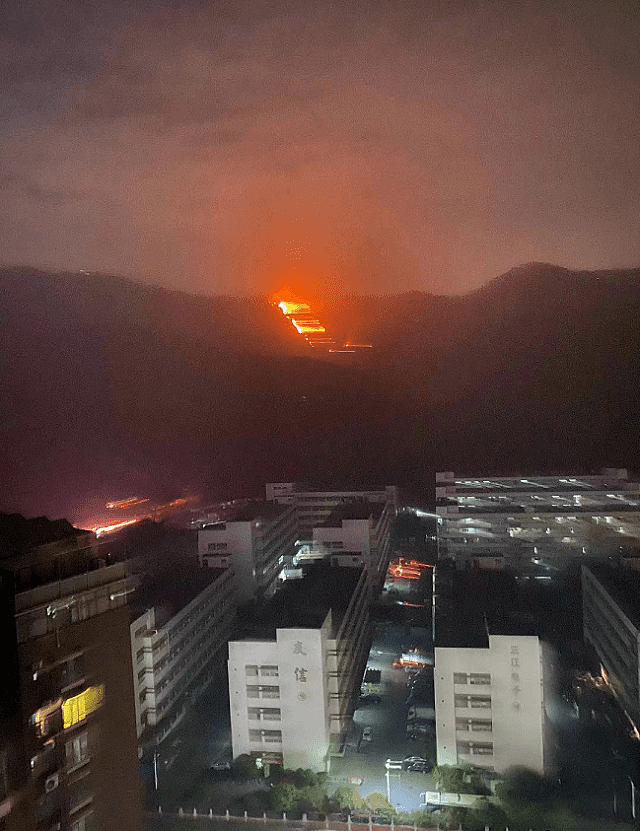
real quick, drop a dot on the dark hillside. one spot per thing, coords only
(112, 386)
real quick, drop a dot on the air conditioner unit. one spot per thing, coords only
(51, 783)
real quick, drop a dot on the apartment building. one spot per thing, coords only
(611, 622)
(315, 506)
(71, 638)
(490, 704)
(180, 626)
(256, 543)
(299, 669)
(492, 676)
(358, 534)
(536, 520)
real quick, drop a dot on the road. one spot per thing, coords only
(387, 720)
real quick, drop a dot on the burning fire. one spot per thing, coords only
(306, 323)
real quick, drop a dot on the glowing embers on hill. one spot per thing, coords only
(303, 319)
(307, 324)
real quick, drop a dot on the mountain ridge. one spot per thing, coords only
(114, 385)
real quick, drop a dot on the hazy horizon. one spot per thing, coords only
(358, 148)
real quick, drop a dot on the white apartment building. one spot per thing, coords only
(314, 507)
(177, 642)
(535, 520)
(292, 686)
(490, 704)
(255, 544)
(358, 534)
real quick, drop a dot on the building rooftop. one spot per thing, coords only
(40, 551)
(169, 591)
(353, 510)
(267, 511)
(623, 585)
(471, 605)
(19, 535)
(304, 603)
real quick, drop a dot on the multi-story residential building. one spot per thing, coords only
(315, 506)
(491, 680)
(524, 520)
(611, 622)
(301, 670)
(180, 625)
(75, 680)
(255, 544)
(490, 704)
(358, 534)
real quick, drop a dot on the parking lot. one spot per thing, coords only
(380, 728)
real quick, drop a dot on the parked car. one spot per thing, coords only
(410, 760)
(367, 734)
(220, 766)
(419, 767)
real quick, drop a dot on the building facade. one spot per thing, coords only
(292, 689)
(314, 506)
(358, 534)
(255, 544)
(76, 690)
(611, 622)
(177, 644)
(535, 520)
(490, 704)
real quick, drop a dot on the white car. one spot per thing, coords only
(367, 734)
(390, 764)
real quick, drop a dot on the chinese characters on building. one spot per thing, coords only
(515, 677)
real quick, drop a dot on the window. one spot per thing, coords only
(338, 544)
(77, 750)
(482, 701)
(477, 725)
(271, 714)
(141, 674)
(483, 749)
(253, 692)
(140, 632)
(251, 670)
(269, 671)
(272, 735)
(270, 692)
(139, 655)
(480, 678)
(475, 748)
(82, 824)
(255, 735)
(460, 678)
(253, 713)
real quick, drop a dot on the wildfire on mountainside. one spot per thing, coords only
(306, 322)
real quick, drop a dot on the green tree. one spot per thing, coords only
(349, 799)
(284, 797)
(458, 779)
(305, 778)
(530, 802)
(380, 806)
(246, 767)
(485, 814)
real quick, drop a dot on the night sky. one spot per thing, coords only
(233, 146)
